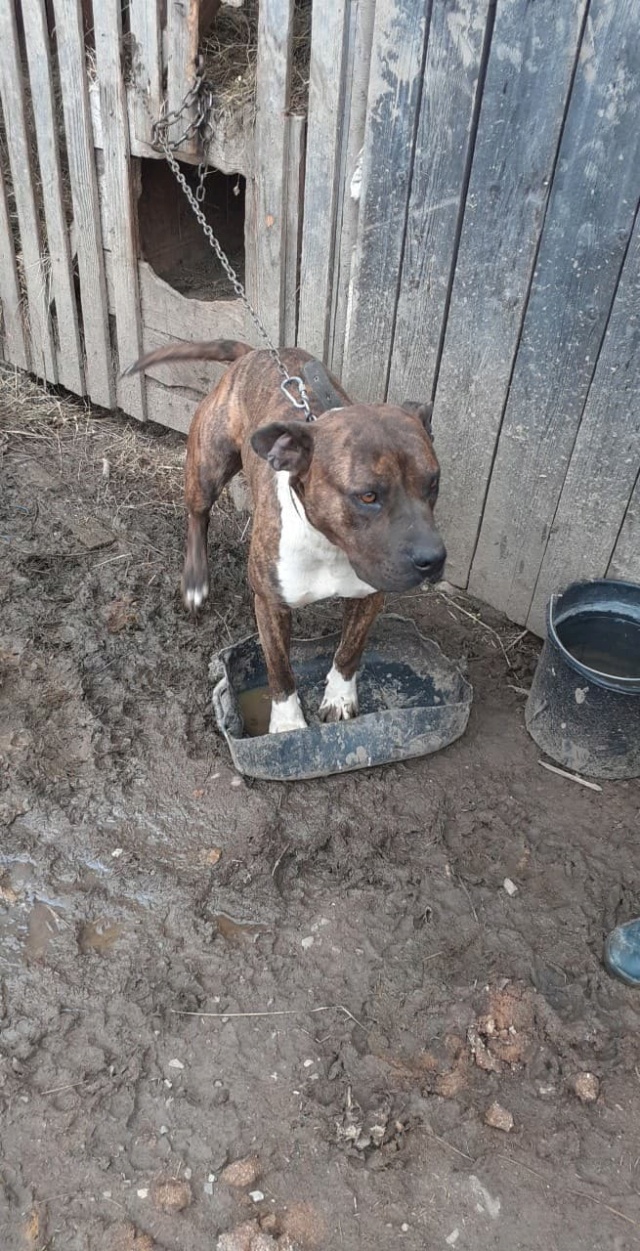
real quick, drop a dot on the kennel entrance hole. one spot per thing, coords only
(171, 238)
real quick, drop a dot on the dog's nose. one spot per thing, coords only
(429, 558)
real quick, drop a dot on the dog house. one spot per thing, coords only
(439, 198)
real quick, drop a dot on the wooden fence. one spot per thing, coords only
(453, 213)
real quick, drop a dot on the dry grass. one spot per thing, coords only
(138, 470)
(30, 411)
(230, 53)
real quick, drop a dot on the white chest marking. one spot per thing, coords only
(309, 567)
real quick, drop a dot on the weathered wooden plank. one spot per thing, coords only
(266, 189)
(145, 97)
(532, 57)
(197, 376)
(14, 342)
(329, 22)
(122, 239)
(606, 458)
(445, 133)
(228, 150)
(43, 359)
(358, 64)
(171, 406)
(68, 346)
(181, 50)
(590, 216)
(86, 209)
(294, 147)
(625, 562)
(395, 85)
(177, 316)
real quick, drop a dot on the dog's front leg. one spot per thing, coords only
(274, 628)
(340, 701)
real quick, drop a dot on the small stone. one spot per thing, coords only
(211, 856)
(586, 1087)
(236, 782)
(498, 1118)
(173, 1196)
(142, 1194)
(307, 1064)
(208, 1188)
(307, 942)
(445, 588)
(176, 1064)
(241, 1172)
(452, 1238)
(510, 887)
(256, 1195)
(164, 1129)
(188, 1174)
(404, 1227)
(117, 852)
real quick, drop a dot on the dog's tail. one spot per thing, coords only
(216, 350)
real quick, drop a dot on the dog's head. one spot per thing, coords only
(368, 478)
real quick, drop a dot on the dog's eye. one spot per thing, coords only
(431, 490)
(367, 497)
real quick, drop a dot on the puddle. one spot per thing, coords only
(234, 931)
(255, 709)
(25, 930)
(99, 936)
(42, 927)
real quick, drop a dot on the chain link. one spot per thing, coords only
(201, 96)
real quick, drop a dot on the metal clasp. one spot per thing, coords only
(301, 403)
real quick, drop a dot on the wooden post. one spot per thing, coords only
(358, 63)
(294, 147)
(444, 140)
(69, 350)
(322, 173)
(146, 94)
(395, 86)
(43, 360)
(528, 79)
(266, 187)
(86, 208)
(625, 562)
(123, 240)
(181, 50)
(15, 348)
(592, 206)
(605, 462)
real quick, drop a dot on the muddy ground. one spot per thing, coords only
(329, 976)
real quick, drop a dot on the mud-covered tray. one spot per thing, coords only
(413, 701)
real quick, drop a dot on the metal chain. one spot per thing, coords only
(201, 96)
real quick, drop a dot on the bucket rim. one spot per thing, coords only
(620, 685)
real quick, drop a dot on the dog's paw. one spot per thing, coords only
(340, 702)
(286, 714)
(194, 595)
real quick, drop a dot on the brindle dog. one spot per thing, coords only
(343, 506)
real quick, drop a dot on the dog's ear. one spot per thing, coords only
(284, 445)
(423, 412)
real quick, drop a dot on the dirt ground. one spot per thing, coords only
(327, 980)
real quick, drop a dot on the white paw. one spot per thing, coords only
(340, 702)
(286, 714)
(195, 596)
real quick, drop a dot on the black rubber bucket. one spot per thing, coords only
(583, 709)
